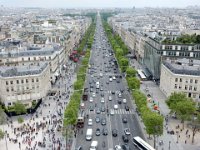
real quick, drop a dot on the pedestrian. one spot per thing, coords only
(185, 141)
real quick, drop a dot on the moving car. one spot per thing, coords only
(127, 131)
(89, 122)
(116, 107)
(124, 119)
(114, 132)
(105, 131)
(125, 138)
(98, 132)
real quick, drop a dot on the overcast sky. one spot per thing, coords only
(98, 3)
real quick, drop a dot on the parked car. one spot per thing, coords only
(127, 131)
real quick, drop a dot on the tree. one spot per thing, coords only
(175, 98)
(133, 83)
(78, 85)
(130, 72)
(123, 63)
(153, 123)
(119, 52)
(184, 110)
(19, 108)
(20, 120)
(2, 116)
(1, 134)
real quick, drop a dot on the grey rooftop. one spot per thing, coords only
(30, 52)
(183, 66)
(28, 69)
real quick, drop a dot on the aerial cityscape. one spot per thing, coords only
(99, 75)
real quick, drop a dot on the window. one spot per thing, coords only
(191, 80)
(175, 86)
(26, 80)
(186, 80)
(180, 87)
(190, 88)
(12, 89)
(6, 82)
(37, 80)
(196, 81)
(32, 80)
(29, 59)
(22, 81)
(176, 80)
(180, 79)
(7, 89)
(186, 87)
(195, 88)
(17, 81)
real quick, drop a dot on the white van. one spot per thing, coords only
(89, 135)
(94, 145)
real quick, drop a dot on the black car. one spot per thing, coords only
(125, 138)
(98, 132)
(105, 131)
(119, 101)
(127, 108)
(113, 92)
(114, 132)
(125, 147)
(103, 121)
(124, 120)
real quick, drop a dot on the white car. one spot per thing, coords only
(119, 95)
(110, 98)
(91, 99)
(124, 101)
(93, 95)
(89, 122)
(127, 131)
(110, 79)
(102, 100)
(116, 107)
(112, 112)
(118, 147)
(114, 78)
(101, 74)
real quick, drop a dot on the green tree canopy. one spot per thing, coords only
(184, 110)
(124, 63)
(19, 108)
(131, 72)
(133, 83)
(1, 134)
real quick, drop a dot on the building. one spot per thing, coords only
(155, 51)
(182, 75)
(24, 83)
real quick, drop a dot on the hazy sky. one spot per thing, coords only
(98, 3)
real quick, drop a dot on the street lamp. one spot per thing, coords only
(177, 132)
(169, 144)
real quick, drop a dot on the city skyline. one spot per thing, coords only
(98, 3)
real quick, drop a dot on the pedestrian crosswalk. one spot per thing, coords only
(118, 111)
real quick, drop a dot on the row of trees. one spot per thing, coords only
(184, 108)
(152, 120)
(118, 46)
(87, 39)
(72, 109)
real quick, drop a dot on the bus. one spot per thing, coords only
(141, 144)
(141, 75)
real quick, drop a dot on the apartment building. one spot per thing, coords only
(24, 83)
(182, 75)
(54, 55)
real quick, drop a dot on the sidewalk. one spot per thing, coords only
(171, 142)
(33, 132)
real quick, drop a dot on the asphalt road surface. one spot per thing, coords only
(102, 70)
